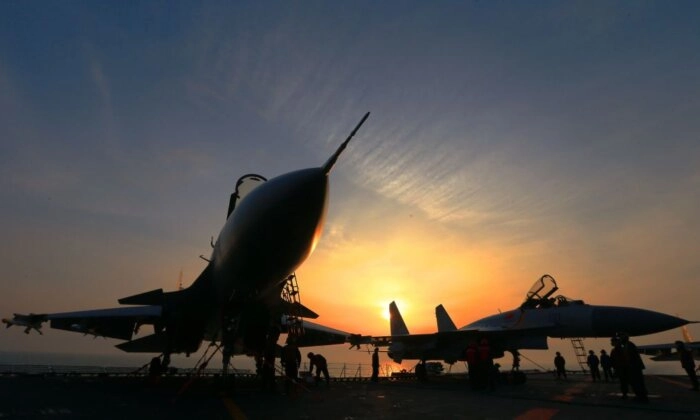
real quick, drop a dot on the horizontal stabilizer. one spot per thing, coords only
(154, 297)
(396, 323)
(444, 322)
(154, 343)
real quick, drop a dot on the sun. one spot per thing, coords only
(386, 316)
(384, 308)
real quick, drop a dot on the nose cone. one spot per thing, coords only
(288, 211)
(271, 232)
(608, 320)
(301, 207)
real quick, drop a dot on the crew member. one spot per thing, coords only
(606, 364)
(629, 366)
(290, 360)
(375, 365)
(470, 355)
(593, 363)
(486, 371)
(560, 365)
(321, 366)
(687, 362)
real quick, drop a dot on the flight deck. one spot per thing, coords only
(444, 396)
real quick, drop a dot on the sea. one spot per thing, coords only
(133, 361)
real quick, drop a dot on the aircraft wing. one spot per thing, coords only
(667, 351)
(117, 323)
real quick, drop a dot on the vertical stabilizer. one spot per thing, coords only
(444, 322)
(686, 334)
(398, 327)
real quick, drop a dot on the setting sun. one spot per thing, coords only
(385, 313)
(384, 308)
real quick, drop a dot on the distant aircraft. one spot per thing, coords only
(247, 294)
(526, 327)
(668, 352)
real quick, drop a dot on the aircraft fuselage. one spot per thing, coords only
(271, 232)
(580, 320)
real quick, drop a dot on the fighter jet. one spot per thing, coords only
(667, 352)
(527, 327)
(247, 294)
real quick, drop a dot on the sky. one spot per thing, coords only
(507, 140)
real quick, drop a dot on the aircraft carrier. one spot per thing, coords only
(121, 396)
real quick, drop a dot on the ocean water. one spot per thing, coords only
(109, 360)
(71, 359)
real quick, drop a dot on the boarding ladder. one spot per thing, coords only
(290, 294)
(581, 356)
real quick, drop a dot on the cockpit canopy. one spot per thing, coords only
(539, 295)
(244, 186)
(544, 287)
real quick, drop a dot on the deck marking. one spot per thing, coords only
(673, 381)
(233, 410)
(538, 413)
(570, 392)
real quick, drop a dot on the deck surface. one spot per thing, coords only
(542, 397)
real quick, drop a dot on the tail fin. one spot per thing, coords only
(398, 327)
(686, 334)
(444, 322)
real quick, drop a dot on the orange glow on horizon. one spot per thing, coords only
(350, 286)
